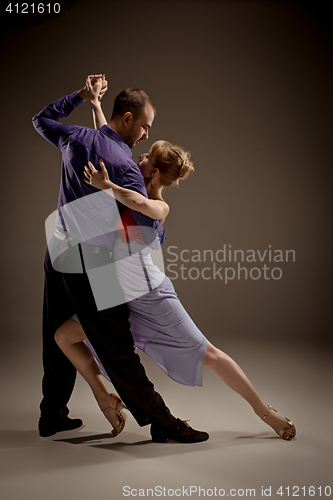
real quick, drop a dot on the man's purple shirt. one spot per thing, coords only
(78, 145)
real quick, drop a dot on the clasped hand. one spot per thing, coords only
(95, 87)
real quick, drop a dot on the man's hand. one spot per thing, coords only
(93, 80)
(94, 89)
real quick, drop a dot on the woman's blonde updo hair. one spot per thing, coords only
(173, 162)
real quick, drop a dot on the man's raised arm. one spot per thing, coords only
(46, 122)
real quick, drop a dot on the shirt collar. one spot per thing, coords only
(105, 129)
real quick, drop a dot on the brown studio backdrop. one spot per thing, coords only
(246, 87)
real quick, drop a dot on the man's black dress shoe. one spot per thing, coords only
(49, 427)
(181, 432)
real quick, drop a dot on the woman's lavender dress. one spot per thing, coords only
(159, 324)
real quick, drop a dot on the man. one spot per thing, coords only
(68, 289)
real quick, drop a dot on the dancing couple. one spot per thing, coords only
(78, 336)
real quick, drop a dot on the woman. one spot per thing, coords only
(159, 324)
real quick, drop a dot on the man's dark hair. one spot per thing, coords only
(133, 100)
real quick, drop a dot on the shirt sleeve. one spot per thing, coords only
(132, 179)
(46, 122)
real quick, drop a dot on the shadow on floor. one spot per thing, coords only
(26, 452)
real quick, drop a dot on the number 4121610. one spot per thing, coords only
(33, 8)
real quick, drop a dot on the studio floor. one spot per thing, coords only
(242, 458)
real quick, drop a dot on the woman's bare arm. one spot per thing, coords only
(96, 86)
(98, 115)
(155, 209)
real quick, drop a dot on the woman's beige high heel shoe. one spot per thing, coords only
(119, 411)
(283, 432)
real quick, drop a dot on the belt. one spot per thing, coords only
(61, 236)
(94, 249)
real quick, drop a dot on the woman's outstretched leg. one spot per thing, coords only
(70, 338)
(229, 371)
